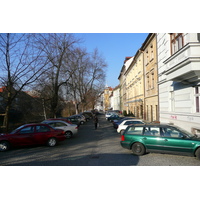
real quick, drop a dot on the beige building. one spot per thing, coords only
(135, 86)
(122, 84)
(149, 49)
(106, 98)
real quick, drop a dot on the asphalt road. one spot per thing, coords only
(90, 147)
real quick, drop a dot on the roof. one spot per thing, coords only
(2, 88)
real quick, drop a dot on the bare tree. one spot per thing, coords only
(20, 64)
(89, 74)
(57, 48)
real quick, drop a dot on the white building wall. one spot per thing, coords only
(176, 99)
(116, 99)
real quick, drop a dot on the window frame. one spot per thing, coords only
(197, 98)
(175, 43)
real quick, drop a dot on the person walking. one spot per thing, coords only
(95, 122)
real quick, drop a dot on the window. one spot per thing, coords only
(42, 129)
(152, 55)
(146, 58)
(197, 99)
(135, 130)
(148, 82)
(170, 132)
(154, 131)
(26, 130)
(176, 42)
(152, 80)
(60, 124)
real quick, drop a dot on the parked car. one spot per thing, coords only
(143, 138)
(128, 122)
(62, 119)
(73, 120)
(108, 114)
(80, 118)
(87, 117)
(31, 134)
(117, 122)
(69, 129)
(114, 117)
(89, 113)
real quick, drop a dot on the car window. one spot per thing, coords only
(52, 124)
(154, 131)
(60, 124)
(42, 129)
(26, 130)
(133, 122)
(135, 130)
(171, 132)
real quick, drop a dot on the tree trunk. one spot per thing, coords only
(6, 117)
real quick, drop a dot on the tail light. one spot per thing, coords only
(122, 138)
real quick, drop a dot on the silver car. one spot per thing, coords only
(70, 129)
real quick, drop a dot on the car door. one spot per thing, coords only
(151, 138)
(62, 126)
(175, 141)
(24, 136)
(42, 133)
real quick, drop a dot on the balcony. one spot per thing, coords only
(184, 65)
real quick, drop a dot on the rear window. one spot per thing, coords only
(133, 122)
(134, 130)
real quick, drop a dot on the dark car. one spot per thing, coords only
(114, 117)
(142, 138)
(73, 120)
(117, 122)
(31, 134)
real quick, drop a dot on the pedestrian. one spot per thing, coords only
(95, 122)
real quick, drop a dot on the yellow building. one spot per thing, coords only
(122, 80)
(135, 86)
(106, 98)
(149, 49)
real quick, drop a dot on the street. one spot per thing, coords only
(90, 147)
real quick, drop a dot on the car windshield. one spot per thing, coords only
(185, 132)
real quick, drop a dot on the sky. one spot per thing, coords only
(114, 47)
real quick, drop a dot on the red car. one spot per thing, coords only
(31, 134)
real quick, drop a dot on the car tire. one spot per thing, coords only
(4, 146)
(138, 149)
(81, 122)
(197, 153)
(51, 142)
(68, 134)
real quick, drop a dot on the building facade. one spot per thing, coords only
(179, 79)
(106, 98)
(122, 83)
(149, 48)
(135, 86)
(116, 98)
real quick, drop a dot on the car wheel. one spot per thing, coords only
(51, 142)
(68, 134)
(197, 153)
(81, 122)
(138, 149)
(4, 146)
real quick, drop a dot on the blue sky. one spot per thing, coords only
(114, 47)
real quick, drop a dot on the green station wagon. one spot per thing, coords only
(161, 138)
